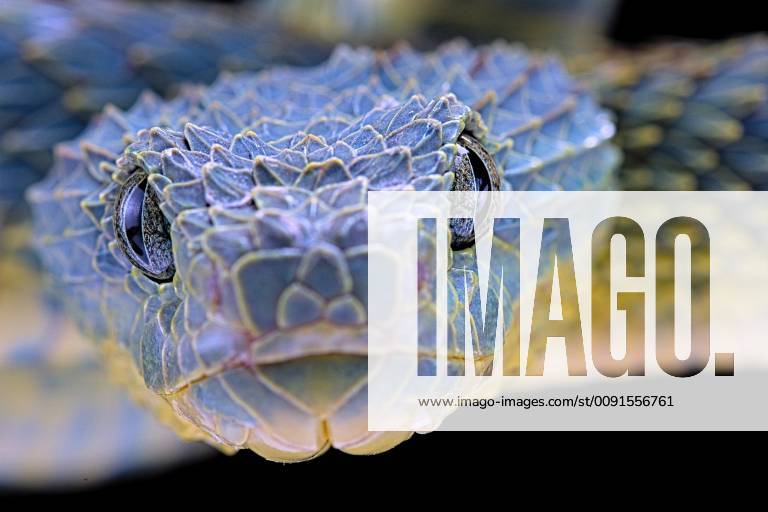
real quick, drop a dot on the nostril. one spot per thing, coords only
(142, 231)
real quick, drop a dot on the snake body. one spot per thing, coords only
(259, 339)
(63, 422)
(63, 61)
(689, 116)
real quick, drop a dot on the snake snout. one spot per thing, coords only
(267, 320)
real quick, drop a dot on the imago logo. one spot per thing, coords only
(555, 294)
(556, 281)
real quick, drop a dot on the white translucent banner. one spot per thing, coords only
(692, 356)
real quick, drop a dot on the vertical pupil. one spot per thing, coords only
(476, 171)
(480, 171)
(141, 229)
(132, 215)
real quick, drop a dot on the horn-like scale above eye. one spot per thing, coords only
(142, 231)
(475, 171)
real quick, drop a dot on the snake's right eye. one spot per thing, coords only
(475, 171)
(141, 229)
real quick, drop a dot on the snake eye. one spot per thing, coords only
(142, 231)
(475, 170)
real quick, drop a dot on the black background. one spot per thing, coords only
(470, 457)
(639, 21)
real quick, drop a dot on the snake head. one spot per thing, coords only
(217, 243)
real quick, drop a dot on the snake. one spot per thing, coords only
(654, 78)
(215, 245)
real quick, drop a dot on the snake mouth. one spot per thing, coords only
(266, 410)
(290, 396)
(221, 350)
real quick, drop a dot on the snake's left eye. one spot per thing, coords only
(475, 171)
(142, 231)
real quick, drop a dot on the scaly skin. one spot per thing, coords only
(690, 116)
(259, 341)
(62, 62)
